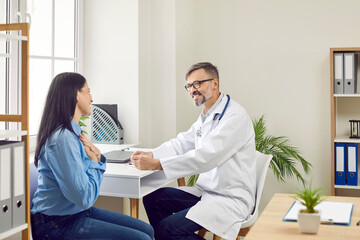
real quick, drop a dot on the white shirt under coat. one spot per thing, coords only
(224, 155)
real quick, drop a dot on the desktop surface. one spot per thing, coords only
(104, 148)
(270, 224)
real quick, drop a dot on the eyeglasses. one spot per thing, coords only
(196, 84)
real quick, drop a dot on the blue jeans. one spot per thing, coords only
(166, 209)
(94, 223)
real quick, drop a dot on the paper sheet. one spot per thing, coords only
(335, 212)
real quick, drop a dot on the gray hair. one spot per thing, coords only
(208, 67)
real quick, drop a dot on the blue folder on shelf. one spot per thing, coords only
(340, 156)
(351, 173)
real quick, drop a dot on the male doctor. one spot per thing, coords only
(219, 146)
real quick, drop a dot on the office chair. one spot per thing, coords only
(33, 180)
(262, 165)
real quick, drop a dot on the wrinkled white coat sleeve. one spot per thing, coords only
(179, 157)
(183, 143)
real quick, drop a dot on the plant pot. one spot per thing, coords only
(309, 222)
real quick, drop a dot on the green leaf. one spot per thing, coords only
(84, 118)
(309, 198)
(82, 124)
(192, 180)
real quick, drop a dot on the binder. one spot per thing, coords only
(340, 156)
(5, 187)
(18, 187)
(352, 160)
(338, 73)
(349, 73)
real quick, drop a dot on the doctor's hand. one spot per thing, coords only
(145, 161)
(148, 154)
(91, 146)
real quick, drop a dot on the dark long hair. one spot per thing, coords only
(59, 106)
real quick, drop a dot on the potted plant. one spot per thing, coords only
(82, 124)
(285, 156)
(309, 218)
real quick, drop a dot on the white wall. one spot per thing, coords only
(273, 58)
(111, 58)
(157, 90)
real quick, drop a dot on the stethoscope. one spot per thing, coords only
(217, 117)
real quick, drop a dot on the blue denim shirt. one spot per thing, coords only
(68, 182)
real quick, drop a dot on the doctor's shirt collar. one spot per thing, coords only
(204, 116)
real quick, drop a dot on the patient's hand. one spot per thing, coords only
(91, 146)
(91, 154)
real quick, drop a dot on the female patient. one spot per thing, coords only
(70, 173)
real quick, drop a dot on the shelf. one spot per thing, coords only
(346, 95)
(342, 108)
(346, 139)
(13, 231)
(7, 37)
(346, 187)
(11, 133)
(21, 65)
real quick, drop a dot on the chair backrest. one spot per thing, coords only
(33, 180)
(262, 166)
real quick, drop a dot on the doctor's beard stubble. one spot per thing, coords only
(199, 103)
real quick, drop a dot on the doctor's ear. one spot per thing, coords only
(216, 83)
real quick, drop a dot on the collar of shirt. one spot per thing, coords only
(76, 127)
(204, 116)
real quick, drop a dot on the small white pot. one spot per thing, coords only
(309, 222)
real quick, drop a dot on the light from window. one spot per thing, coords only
(3, 11)
(52, 49)
(39, 85)
(41, 27)
(63, 66)
(2, 87)
(64, 28)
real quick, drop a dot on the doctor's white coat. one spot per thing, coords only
(223, 152)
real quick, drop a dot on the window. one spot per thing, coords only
(54, 48)
(9, 71)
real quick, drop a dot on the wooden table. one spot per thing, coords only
(271, 226)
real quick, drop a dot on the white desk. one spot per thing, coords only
(104, 148)
(124, 180)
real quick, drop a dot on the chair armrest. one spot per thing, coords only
(181, 182)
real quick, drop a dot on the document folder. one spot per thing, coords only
(331, 212)
(340, 156)
(18, 179)
(5, 187)
(338, 73)
(349, 73)
(352, 160)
